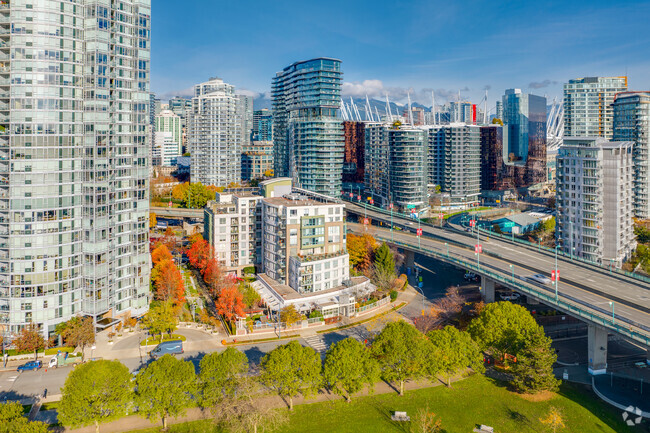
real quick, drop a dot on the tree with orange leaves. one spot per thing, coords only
(215, 278)
(199, 254)
(230, 303)
(160, 253)
(168, 282)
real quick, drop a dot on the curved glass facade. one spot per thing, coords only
(73, 160)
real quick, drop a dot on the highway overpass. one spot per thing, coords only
(175, 212)
(607, 301)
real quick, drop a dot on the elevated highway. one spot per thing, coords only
(608, 301)
(175, 212)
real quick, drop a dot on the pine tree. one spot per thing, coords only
(384, 261)
(533, 371)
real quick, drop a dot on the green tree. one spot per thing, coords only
(77, 332)
(384, 261)
(95, 392)
(220, 374)
(503, 327)
(453, 350)
(533, 371)
(160, 319)
(166, 388)
(197, 196)
(402, 353)
(251, 297)
(30, 339)
(348, 367)
(13, 421)
(292, 369)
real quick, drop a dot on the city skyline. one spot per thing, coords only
(392, 49)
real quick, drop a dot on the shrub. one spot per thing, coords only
(393, 295)
(249, 270)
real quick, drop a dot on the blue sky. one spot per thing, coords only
(397, 46)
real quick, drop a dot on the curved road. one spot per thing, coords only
(580, 284)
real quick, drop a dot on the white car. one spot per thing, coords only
(52, 363)
(509, 296)
(540, 278)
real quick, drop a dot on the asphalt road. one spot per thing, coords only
(631, 298)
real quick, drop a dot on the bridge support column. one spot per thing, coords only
(597, 350)
(487, 289)
(647, 357)
(409, 259)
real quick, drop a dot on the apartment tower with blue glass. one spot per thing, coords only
(308, 134)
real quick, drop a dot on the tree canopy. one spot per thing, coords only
(348, 367)
(384, 260)
(503, 327)
(402, 353)
(166, 388)
(291, 369)
(77, 332)
(30, 339)
(533, 371)
(95, 392)
(220, 374)
(168, 282)
(13, 421)
(453, 350)
(160, 253)
(160, 319)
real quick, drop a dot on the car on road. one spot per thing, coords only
(31, 365)
(539, 278)
(470, 276)
(171, 347)
(510, 296)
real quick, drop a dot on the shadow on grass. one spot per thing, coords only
(585, 397)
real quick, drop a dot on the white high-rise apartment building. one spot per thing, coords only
(74, 196)
(594, 199)
(168, 121)
(588, 108)
(632, 123)
(215, 134)
(165, 149)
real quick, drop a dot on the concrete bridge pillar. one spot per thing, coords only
(597, 350)
(647, 357)
(409, 259)
(487, 290)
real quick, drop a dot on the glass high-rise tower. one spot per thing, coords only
(74, 204)
(308, 134)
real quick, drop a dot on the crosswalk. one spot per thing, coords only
(12, 378)
(317, 343)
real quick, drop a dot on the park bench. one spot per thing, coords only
(484, 429)
(400, 416)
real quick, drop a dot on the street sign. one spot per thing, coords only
(372, 201)
(365, 221)
(441, 216)
(555, 275)
(478, 248)
(472, 223)
(508, 224)
(419, 232)
(358, 197)
(410, 206)
(413, 211)
(351, 195)
(420, 284)
(170, 203)
(390, 206)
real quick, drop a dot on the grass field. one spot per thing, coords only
(473, 401)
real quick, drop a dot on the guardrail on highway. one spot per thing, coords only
(569, 304)
(522, 242)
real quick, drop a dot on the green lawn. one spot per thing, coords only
(476, 400)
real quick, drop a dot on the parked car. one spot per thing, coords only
(31, 365)
(171, 347)
(539, 278)
(509, 296)
(470, 276)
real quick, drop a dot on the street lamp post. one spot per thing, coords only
(421, 291)
(419, 236)
(392, 237)
(512, 268)
(613, 317)
(557, 276)
(447, 245)
(478, 246)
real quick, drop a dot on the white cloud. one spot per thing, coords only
(376, 89)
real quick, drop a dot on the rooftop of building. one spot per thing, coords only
(521, 219)
(287, 293)
(296, 200)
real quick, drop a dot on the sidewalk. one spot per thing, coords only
(134, 422)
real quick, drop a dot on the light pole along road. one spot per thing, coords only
(591, 287)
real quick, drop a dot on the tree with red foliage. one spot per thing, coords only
(214, 277)
(199, 254)
(30, 339)
(160, 253)
(230, 303)
(168, 282)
